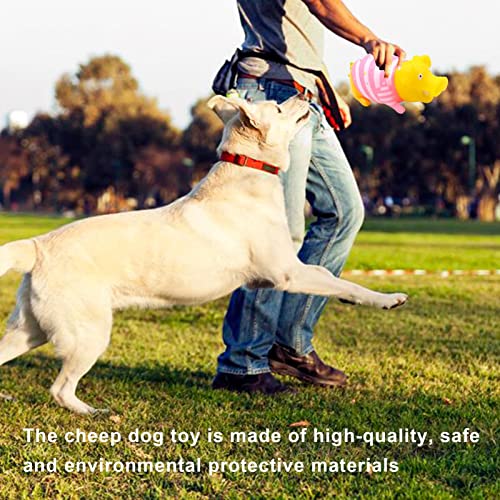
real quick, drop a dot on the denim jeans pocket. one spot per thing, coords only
(263, 89)
(279, 92)
(251, 90)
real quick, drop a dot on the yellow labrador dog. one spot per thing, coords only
(230, 230)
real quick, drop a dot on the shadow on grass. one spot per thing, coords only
(41, 370)
(160, 373)
(157, 387)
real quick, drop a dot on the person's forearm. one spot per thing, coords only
(339, 19)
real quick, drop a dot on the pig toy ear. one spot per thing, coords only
(423, 59)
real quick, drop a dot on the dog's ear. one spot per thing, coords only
(227, 107)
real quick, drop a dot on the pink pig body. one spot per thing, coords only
(370, 81)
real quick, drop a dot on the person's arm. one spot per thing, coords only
(339, 19)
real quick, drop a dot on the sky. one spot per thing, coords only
(176, 47)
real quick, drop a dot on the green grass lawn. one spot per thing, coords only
(431, 366)
(426, 244)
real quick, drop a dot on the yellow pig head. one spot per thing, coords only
(414, 81)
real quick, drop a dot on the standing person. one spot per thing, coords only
(282, 54)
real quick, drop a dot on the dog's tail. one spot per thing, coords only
(18, 256)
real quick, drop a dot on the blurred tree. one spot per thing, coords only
(467, 116)
(161, 174)
(105, 121)
(53, 183)
(422, 154)
(13, 166)
(202, 136)
(108, 139)
(475, 87)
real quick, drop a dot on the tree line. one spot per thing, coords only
(108, 147)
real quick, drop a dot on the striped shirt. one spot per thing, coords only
(372, 84)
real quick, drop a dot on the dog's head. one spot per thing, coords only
(263, 129)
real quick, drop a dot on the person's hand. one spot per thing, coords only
(383, 52)
(344, 109)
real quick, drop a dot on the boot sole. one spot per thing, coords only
(283, 369)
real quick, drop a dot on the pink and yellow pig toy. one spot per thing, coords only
(413, 81)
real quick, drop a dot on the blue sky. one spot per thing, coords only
(175, 48)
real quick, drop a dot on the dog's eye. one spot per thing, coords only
(279, 109)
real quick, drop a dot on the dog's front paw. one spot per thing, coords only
(392, 300)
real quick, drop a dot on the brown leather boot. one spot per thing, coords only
(309, 368)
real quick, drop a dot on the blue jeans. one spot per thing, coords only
(319, 170)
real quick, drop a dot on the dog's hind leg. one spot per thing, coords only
(23, 332)
(79, 350)
(20, 339)
(317, 280)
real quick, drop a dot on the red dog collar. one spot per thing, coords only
(246, 161)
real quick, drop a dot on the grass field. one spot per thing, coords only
(431, 366)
